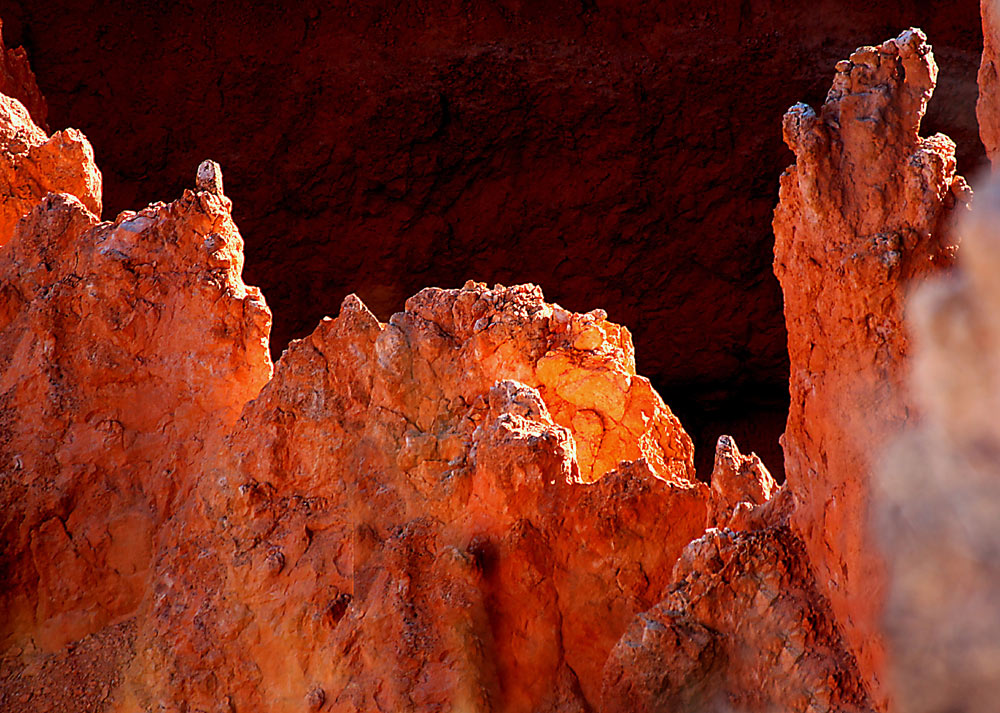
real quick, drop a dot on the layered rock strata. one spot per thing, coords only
(865, 212)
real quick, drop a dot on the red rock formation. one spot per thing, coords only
(864, 212)
(988, 106)
(403, 517)
(740, 484)
(425, 482)
(745, 626)
(18, 82)
(476, 506)
(465, 507)
(621, 154)
(124, 348)
(744, 629)
(32, 165)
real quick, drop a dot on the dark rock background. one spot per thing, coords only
(623, 155)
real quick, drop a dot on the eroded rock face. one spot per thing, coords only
(744, 629)
(864, 212)
(125, 350)
(476, 506)
(32, 165)
(464, 506)
(405, 517)
(744, 626)
(622, 155)
(740, 484)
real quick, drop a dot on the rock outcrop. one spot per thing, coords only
(126, 349)
(744, 629)
(865, 212)
(465, 506)
(620, 155)
(480, 505)
(426, 513)
(988, 106)
(449, 486)
(33, 165)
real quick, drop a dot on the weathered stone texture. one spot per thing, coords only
(32, 165)
(865, 212)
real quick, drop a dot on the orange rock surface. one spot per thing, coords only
(988, 106)
(404, 518)
(476, 506)
(744, 629)
(744, 626)
(465, 506)
(864, 212)
(124, 348)
(32, 165)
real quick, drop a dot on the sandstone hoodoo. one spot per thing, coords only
(465, 506)
(399, 506)
(865, 212)
(479, 504)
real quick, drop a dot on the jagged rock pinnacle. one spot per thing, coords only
(209, 177)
